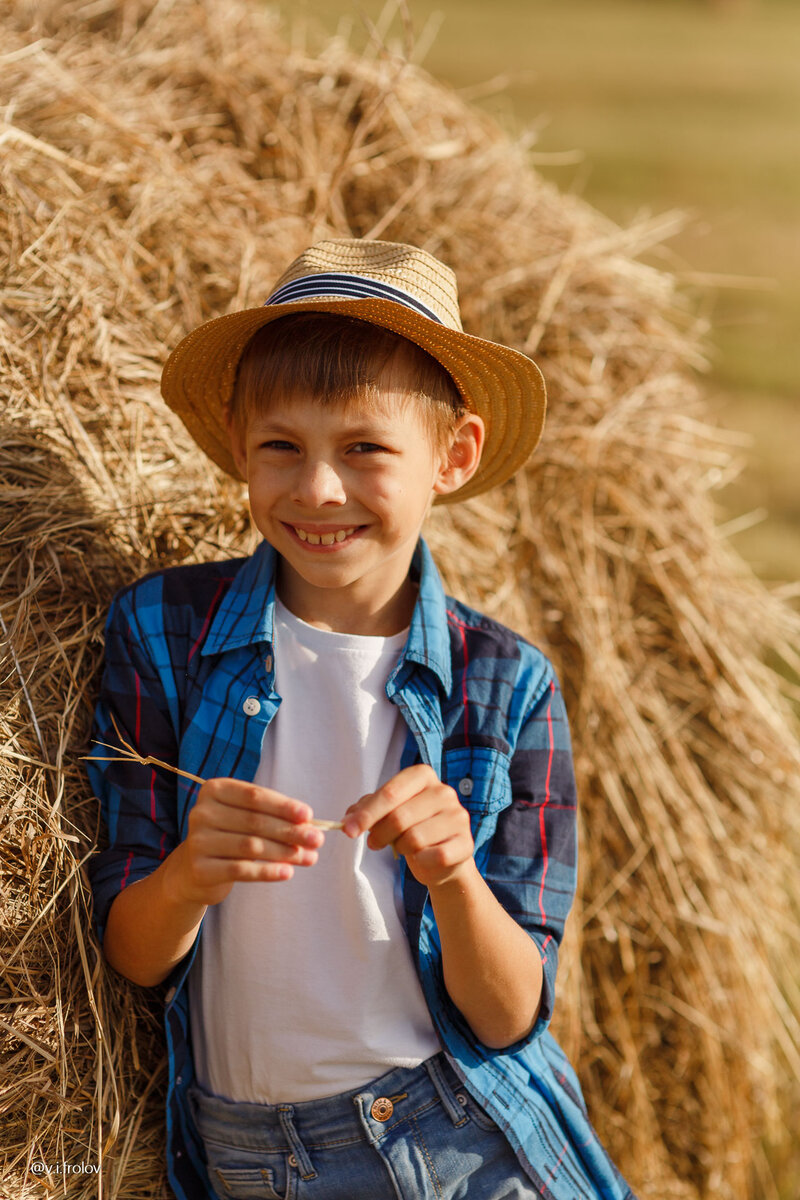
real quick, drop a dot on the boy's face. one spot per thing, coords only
(341, 492)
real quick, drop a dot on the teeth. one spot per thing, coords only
(325, 539)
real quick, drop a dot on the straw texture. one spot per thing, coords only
(159, 165)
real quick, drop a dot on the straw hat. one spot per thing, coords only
(399, 287)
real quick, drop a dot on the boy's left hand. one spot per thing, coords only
(422, 818)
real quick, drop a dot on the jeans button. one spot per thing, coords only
(382, 1108)
(292, 1160)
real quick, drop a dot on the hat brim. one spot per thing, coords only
(503, 386)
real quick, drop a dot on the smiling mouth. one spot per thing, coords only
(328, 538)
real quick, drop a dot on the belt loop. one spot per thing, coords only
(454, 1110)
(285, 1114)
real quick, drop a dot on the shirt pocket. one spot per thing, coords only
(479, 774)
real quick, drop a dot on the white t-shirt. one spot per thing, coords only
(307, 988)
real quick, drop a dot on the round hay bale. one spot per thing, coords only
(160, 165)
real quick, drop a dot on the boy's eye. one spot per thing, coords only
(368, 447)
(278, 444)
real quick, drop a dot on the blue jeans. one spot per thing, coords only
(409, 1135)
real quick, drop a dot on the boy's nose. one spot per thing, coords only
(319, 483)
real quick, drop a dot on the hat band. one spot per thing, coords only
(349, 287)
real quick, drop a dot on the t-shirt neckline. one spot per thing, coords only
(316, 638)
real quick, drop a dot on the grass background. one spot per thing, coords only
(650, 105)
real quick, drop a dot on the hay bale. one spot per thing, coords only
(160, 164)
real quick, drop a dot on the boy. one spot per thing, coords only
(376, 1026)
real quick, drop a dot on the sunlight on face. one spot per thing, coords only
(341, 492)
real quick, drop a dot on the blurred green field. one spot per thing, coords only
(665, 104)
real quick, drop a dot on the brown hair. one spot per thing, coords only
(336, 359)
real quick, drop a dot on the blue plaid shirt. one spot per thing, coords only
(187, 647)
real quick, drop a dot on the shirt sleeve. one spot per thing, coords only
(532, 865)
(138, 803)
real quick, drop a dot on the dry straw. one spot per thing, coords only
(125, 752)
(159, 165)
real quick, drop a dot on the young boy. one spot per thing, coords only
(372, 1020)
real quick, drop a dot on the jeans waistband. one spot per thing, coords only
(334, 1120)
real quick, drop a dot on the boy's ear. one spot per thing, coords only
(461, 461)
(237, 441)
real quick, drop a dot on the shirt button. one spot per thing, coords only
(252, 705)
(382, 1108)
(268, 662)
(170, 996)
(465, 786)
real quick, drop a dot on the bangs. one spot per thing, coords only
(340, 360)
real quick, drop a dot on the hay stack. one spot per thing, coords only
(160, 163)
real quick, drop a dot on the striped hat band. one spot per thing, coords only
(348, 287)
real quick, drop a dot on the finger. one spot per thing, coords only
(386, 830)
(418, 835)
(237, 794)
(371, 808)
(421, 807)
(221, 844)
(227, 870)
(245, 822)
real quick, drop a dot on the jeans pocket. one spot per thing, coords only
(232, 1182)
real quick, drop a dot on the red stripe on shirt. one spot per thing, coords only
(207, 621)
(463, 633)
(554, 1169)
(542, 830)
(552, 807)
(127, 870)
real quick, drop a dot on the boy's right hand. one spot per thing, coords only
(239, 832)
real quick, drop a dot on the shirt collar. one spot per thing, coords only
(247, 612)
(429, 637)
